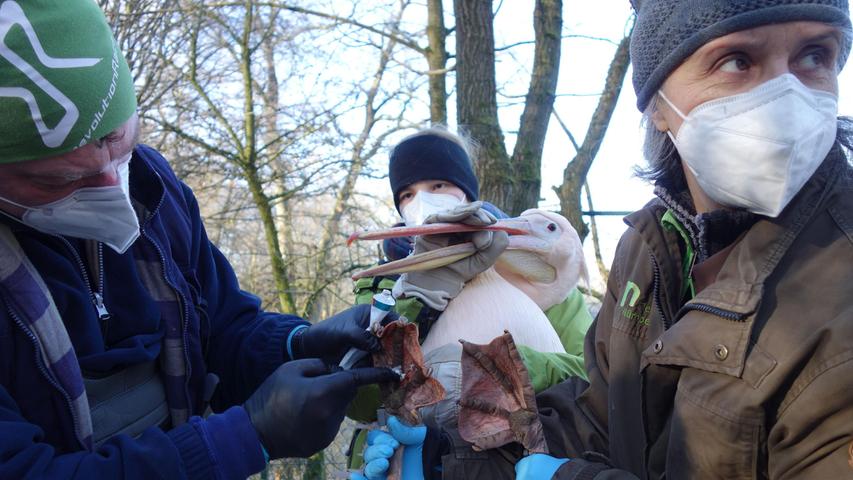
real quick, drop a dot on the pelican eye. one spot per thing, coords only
(552, 227)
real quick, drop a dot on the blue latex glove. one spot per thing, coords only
(381, 447)
(412, 439)
(537, 467)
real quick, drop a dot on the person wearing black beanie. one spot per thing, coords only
(433, 154)
(438, 162)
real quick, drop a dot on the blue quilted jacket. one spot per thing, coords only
(224, 332)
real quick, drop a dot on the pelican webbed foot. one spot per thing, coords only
(497, 403)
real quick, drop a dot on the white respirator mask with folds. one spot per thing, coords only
(757, 149)
(103, 214)
(425, 204)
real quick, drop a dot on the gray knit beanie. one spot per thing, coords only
(668, 31)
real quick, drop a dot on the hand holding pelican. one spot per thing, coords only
(438, 285)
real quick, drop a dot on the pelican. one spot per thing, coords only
(542, 264)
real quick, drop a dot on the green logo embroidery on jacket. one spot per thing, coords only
(632, 311)
(634, 291)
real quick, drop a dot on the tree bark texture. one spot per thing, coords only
(574, 176)
(511, 183)
(527, 155)
(477, 109)
(437, 59)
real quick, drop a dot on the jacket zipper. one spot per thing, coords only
(103, 316)
(96, 295)
(182, 301)
(728, 315)
(46, 372)
(656, 289)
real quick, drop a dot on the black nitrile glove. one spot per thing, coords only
(298, 409)
(331, 338)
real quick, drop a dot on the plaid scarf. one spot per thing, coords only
(33, 310)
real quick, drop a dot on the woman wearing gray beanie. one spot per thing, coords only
(724, 346)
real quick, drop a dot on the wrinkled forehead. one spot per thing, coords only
(788, 37)
(667, 32)
(91, 158)
(87, 158)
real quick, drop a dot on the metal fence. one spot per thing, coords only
(330, 464)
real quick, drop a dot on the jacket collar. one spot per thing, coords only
(740, 283)
(147, 188)
(718, 343)
(665, 248)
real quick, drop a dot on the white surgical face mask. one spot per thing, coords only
(103, 214)
(425, 204)
(757, 149)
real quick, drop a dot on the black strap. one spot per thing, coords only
(579, 470)
(127, 401)
(426, 319)
(350, 453)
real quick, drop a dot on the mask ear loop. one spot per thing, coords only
(12, 202)
(677, 111)
(672, 105)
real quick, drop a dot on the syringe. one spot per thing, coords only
(382, 303)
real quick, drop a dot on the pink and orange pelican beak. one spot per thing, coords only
(512, 226)
(517, 228)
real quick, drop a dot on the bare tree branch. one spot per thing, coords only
(575, 172)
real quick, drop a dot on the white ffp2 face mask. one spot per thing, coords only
(103, 214)
(425, 204)
(757, 149)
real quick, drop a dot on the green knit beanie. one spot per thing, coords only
(63, 81)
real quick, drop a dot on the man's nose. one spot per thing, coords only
(108, 177)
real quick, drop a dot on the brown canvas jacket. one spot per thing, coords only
(753, 378)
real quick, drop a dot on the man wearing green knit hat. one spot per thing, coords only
(111, 355)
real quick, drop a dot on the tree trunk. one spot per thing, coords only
(437, 59)
(249, 160)
(281, 205)
(574, 175)
(596, 245)
(279, 270)
(512, 184)
(477, 109)
(527, 155)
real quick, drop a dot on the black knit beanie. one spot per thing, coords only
(431, 157)
(668, 31)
